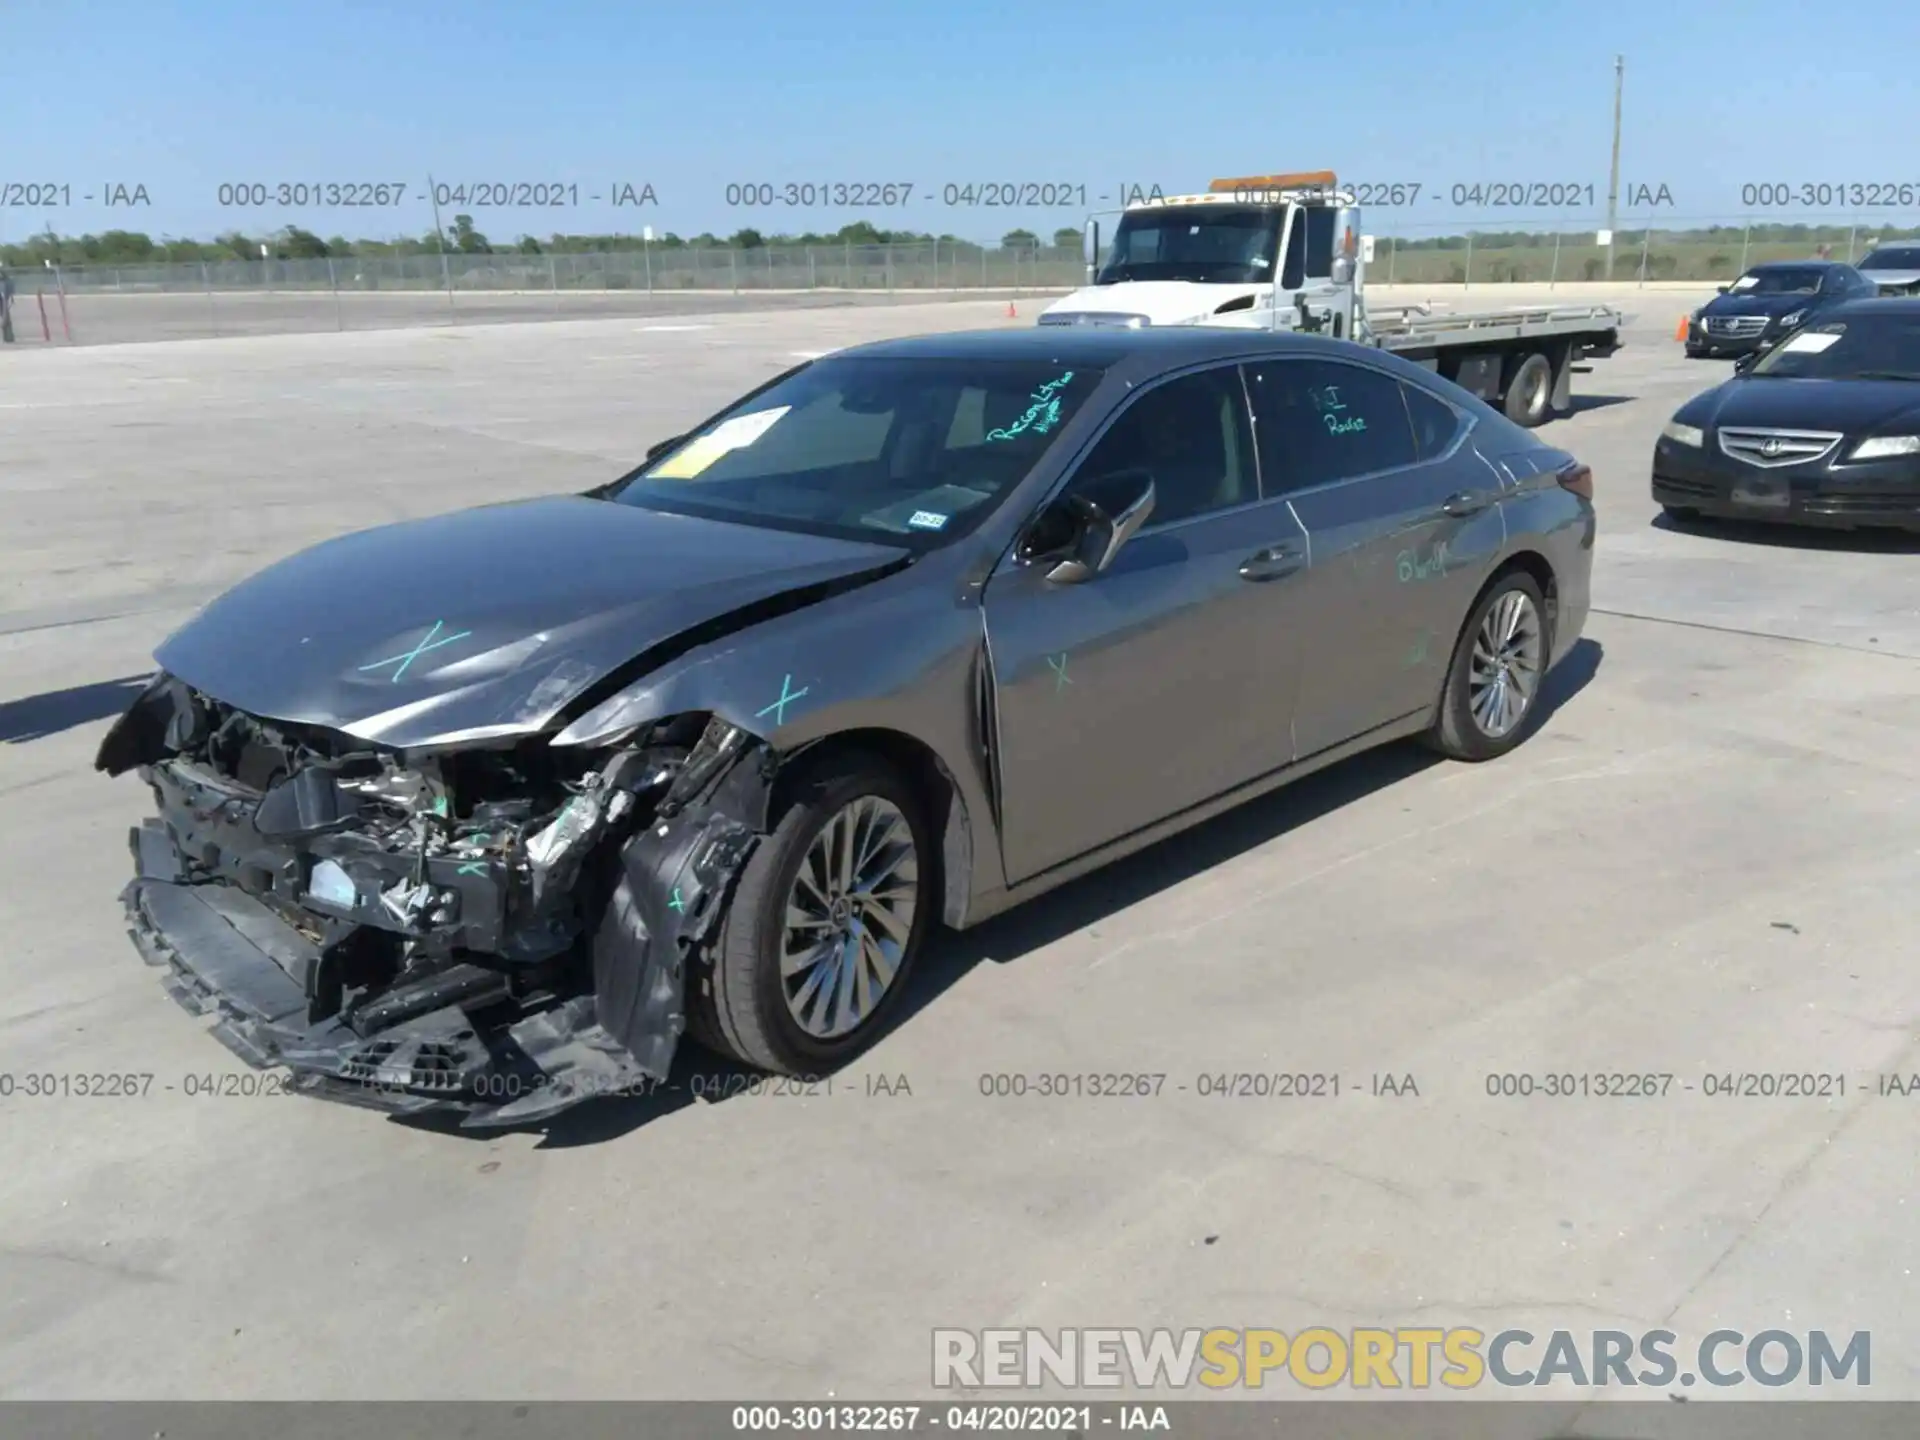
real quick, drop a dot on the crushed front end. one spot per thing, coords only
(501, 931)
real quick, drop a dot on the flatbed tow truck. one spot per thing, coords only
(1209, 259)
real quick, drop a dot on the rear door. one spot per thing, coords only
(1402, 523)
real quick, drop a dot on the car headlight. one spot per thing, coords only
(1787, 322)
(1685, 434)
(1880, 447)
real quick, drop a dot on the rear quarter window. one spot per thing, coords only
(1435, 423)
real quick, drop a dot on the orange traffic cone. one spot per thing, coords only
(1012, 314)
(1680, 330)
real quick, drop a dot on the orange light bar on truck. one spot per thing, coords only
(1304, 180)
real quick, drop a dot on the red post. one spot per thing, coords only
(46, 331)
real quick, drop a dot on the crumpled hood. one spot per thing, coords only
(483, 622)
(1852, 407)
(1163, 302)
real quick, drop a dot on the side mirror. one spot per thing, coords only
(1723, 289)
(1343, 271)
(656, 450)
(1747, 361)
(1099, 519)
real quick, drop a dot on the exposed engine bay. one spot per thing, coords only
(501, 931)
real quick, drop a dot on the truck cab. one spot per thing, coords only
(1214, 259)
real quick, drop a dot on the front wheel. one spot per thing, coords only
(824, 927)
(1494, 680)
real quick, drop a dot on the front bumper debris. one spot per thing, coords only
(464, 1042)
(422, 965)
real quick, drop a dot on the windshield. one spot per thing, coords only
(866, 449)
(1862, 347)
(1211, 244)
(1895, 258)
(1777, 282)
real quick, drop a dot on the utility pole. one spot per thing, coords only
(1613, 179)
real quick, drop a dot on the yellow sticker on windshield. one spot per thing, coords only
(735, 434)
(689, 460)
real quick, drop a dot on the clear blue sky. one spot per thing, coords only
(689, 97)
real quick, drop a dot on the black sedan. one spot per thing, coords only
(1823, 429)
(1770, 301)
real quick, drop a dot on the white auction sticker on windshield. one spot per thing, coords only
(1816, 341)
(743, 430)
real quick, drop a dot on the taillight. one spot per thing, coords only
(1578, 478)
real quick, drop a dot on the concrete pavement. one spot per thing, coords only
(1700, 866)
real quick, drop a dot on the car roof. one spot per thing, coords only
(1166, 347)
(1800, 265)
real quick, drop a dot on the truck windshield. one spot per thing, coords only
(1211, 244)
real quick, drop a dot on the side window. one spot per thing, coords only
(1319, 220)
(1435, 422)
(1323, 420)
(1296, 257)
(1191, 435)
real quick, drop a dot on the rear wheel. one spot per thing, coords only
(825, 924)
(1530, 391)
(1494, 680)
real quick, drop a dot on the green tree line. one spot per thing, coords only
(132, 247)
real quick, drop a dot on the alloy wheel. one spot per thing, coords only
(1503, 674)
(849, 915)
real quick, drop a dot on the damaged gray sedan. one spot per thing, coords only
(485, 812)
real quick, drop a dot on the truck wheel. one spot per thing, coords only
(1530, 392)
(828, 917)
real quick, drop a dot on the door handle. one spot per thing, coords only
(1273, 563)
(1466, 502)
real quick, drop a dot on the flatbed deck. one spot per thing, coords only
(1417, 327)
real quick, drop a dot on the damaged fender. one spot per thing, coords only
(675, 878)
(840, 668)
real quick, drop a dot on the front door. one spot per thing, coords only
(1168, 678)
(1402, 531)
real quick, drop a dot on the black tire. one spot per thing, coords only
(1455, 732)
(738, 1007)
(1529, 399)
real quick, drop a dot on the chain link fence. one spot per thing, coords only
(1705, 250)
(96, 303)
(926, 267)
